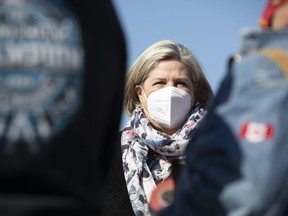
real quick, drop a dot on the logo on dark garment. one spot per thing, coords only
(41, 64)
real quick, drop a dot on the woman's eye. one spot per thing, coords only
(181, 84)
(159, 83)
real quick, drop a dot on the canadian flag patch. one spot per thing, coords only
(256, 132)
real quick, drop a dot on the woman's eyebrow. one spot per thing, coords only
(182, 78)
(158, 78)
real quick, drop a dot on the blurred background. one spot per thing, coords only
(210, 29)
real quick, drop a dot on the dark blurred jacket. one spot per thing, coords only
(116, 199)
(65, 176)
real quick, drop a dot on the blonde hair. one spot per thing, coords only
(150, 58)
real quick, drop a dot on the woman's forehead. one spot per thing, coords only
(169, 68)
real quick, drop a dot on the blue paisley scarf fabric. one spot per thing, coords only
(137, 138)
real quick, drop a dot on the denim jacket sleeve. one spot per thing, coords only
(237, 164)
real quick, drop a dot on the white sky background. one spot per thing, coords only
(209, 28)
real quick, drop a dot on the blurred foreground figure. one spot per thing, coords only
(240, 166)
(62, 69)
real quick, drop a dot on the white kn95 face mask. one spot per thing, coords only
(168, 106)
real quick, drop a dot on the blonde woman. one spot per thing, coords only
(166, 96)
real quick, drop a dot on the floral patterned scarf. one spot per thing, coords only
(137, 137)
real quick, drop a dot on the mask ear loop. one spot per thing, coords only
(146, 111)
(144, 93)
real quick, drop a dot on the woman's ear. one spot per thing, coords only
(139, 91)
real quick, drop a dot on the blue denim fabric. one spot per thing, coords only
(226, 173)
